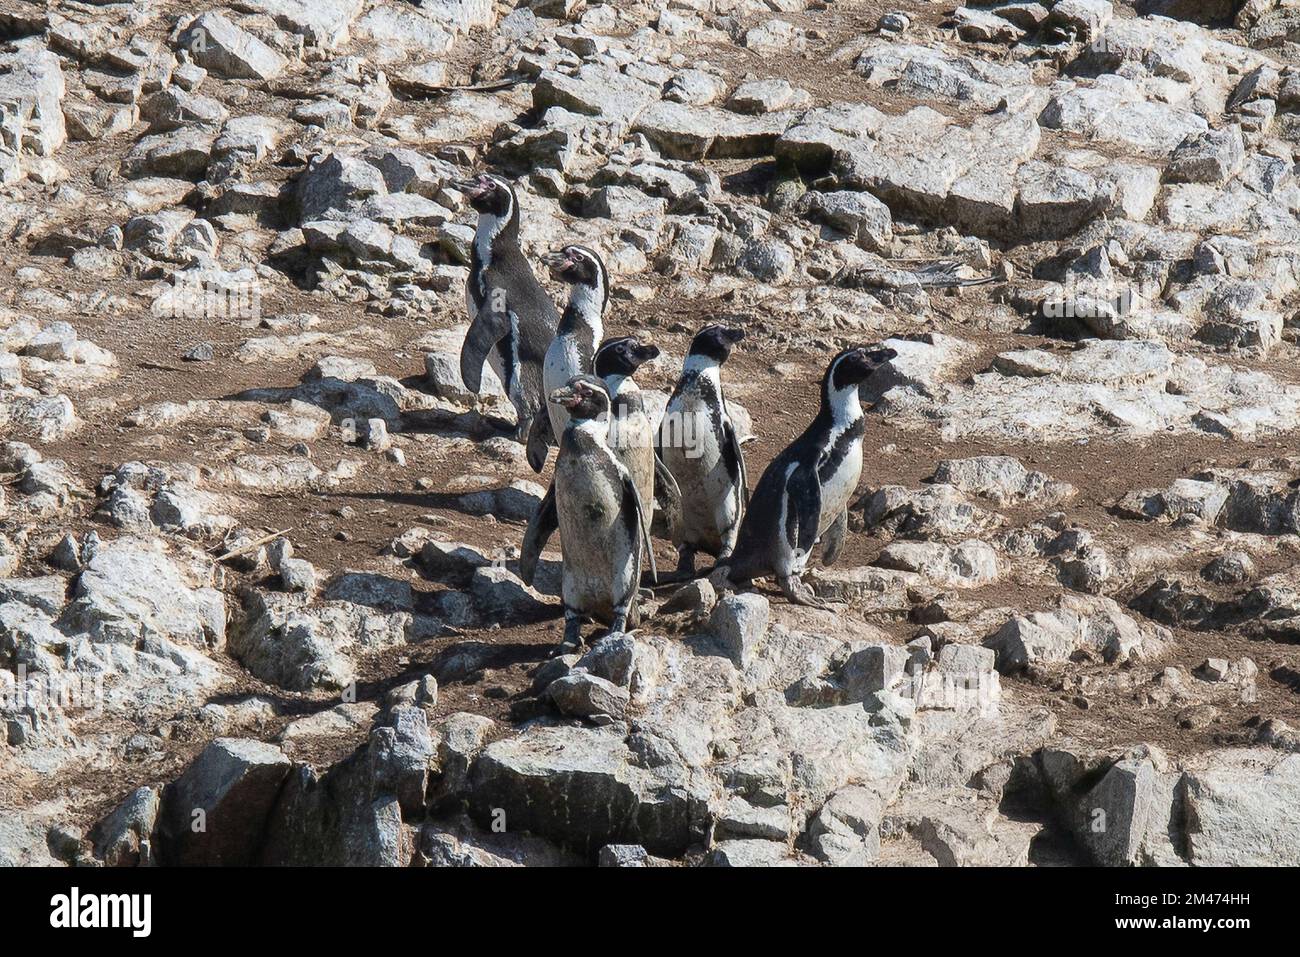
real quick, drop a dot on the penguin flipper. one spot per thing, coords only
(489, 327)
(833, 540)
(540, 527)
(632, 499)
(668, 499)
(735, 460)
(540, 439)
(803, 492)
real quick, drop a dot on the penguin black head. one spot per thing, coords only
(715, 342)
(490, 194)
(852, 367)
(622, 356)
(585, 396)
(578, 264)
(581, 266)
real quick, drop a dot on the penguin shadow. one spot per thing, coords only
(754, 180)
(465, 662)
(462, 502)
(445, 424)
(470, 423)
(343, 399)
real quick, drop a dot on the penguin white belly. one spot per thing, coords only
(710, 500)
(632, 443)
(839, 487)
(562, 363)
(600, 563)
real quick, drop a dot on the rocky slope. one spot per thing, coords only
(258, 600)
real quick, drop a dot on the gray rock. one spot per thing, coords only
(216, 812)
(846, 831)
(864, 218)
(220, 46)
(750, 853)
(767, 96)
(738, 625)
(872, 669)
(1081, 623)
(126, 837)
(584, 695)
(623, 855)
(1003, 480)
(1230, 568)
(298, 575)
(1083, 19)
(399, 754)
(131, 592)
(1237, 810)
(1214, 156)
(578, 787)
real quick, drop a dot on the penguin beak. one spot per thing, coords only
(645, 353)
(878, 357)
(558, 262)
(474, 188)
(567, 396)
(733, 335)
(863, 362)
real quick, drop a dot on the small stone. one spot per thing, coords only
(298, 575)
(584, 695)
(895, 22)
(696, 598)
(1230, 568)
(1213, 669)
(739, 623)
(622, 855)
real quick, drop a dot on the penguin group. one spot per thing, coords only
(618, 479)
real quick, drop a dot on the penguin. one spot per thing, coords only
(576, 337)
(630, 434)
(630, 438)
(699, 446)
(512, 319)
(603, 525)
(803, 495)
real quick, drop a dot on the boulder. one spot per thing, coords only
(216, 812)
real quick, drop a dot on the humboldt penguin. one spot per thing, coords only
(630, 438)
(512, 319)
(603, 526)
(803, 495)
(698, 443)
(571, 351)
(630, 434)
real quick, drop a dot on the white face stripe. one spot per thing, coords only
(490, 224)
(489, 228)
(574, 251)
(846, 406)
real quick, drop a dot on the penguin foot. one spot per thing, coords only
(720, 578)
(571, 643)
(566, 647)
(800, 593)
(685, 564)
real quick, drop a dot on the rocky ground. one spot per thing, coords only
(258, 600)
